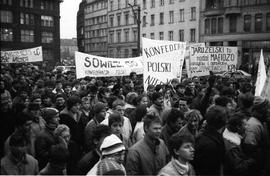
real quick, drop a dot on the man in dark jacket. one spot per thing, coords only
(150, 154)
(209, 146)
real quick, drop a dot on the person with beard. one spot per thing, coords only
(150, 154)
(17, 161)
(157, 107)
(46, 137)
(174, 123)
(60, 102)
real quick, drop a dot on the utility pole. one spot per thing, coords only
(137, 17)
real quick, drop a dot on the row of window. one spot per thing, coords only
(96, 20)
(96, 33)
(26, 18)
(217, 4)
(160, 2)
(96, 6)
(26, 35)
(171, 17)
(120, 4)
(215, 25)
(44, 4)
(118, 37)
(181, 35)
(101, 46)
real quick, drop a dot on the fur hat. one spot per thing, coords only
(111, 144)
(49, 113)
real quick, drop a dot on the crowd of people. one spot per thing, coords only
(55, 124)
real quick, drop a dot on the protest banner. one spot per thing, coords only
(266, 90)
(187, 55)
(96, 66)
(213, 58)
(22, 56)
(162, 60)
(261, 76)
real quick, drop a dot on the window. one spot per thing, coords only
(161, 35)
(233, 22)
(111, 37)
(118, 36)
(134, 19)
(152, 20)
(182, 17)
(135, 2)
(27, 35)
(144, 35)
(126, 53)
(46, 21)
(193, 13)
(161, 18)
(161, 2)
(111, 3)
(213, 26)
(207, 26)
(118, 20)
(119, 4)
(152, 35)
(6, 16)
(152, 3)
(6, 34)
(247, 23)
(45, 4)
(46, 37)
(220, 25)
(181, 35)
(171, 35)
(126, 35)
(111, 21)
(144, 21)
(268, 22)
(126, 18)
(126, 2)
(6, 2)
(171, 17)
(171, 1)
(135, 35)
(144, 4)
(258, 22)
(192, 35)
(27, 3)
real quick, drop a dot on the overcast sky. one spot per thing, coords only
(68, 13)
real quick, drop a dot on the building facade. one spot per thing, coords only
(80, 26)
(95, 27)
(242, 23)
(174, 20)
(68, 48)
(31, 23)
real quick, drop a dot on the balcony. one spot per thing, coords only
(232, 10)
(214, 11)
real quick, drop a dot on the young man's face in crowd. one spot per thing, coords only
(178, 124)
(75, 108)
(191, 85)
(38, 101)
(86, 105)
(183, 106)
(186, 152)
(154, 130)
(181, 90)
(117, 128)
(144, 101)
(101, 115)
(120, 109)
(60, 101)
(67, 89)
(55, 120)
(159, 101)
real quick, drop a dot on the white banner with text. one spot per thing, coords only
(96, 66)
(22, 56)
(162, 60)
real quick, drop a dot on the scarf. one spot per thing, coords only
(232, 137)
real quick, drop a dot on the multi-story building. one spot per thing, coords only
(95, 27)
(31, 23)
(242, 23)
(175, 20)
(122, 29)
(80, 26)
(68, 48)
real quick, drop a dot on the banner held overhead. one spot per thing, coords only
(22, 56)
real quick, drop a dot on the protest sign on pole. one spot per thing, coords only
(261, 76)
(213, 58)
(266, 90)
(162, 60)
(96, 66)
(22, 56)
(187, 55)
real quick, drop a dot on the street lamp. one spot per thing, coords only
(137, 17)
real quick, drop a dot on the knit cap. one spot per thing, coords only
(111, 144)
(108, 166)
(49, 113)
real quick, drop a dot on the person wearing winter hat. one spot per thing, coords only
(46, 137)
(256, 141)
(112, 149)
(99, 115)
